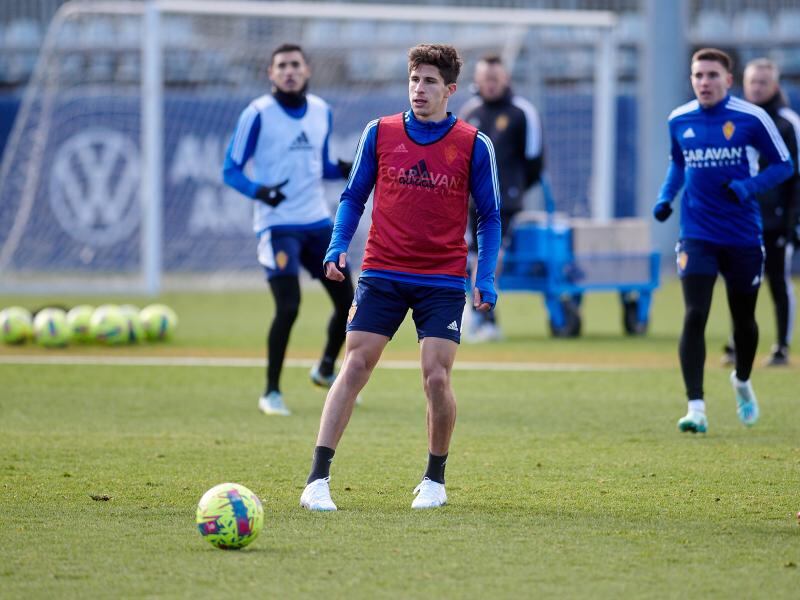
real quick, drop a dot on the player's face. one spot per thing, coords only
(289, 71)
(428, 93)
(491, 80)
(710, 82)
(760, 85)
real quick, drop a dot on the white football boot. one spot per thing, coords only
(272, 404)
(317, 496)
(429, 494)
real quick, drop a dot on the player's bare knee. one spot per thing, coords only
(436, 382)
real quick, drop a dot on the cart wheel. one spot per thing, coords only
(572, 321)
(630, 317)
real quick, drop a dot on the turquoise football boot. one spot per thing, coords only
(746, 403)
(694, 422)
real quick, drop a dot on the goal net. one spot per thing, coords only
(111, 178)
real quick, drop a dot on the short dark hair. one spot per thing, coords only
(716, 55)
(287, 48)
(443, 57)
(491, 58)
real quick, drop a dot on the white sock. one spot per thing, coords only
(697, 406)
(738, 381)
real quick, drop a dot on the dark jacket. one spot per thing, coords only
(513, 125)
(780, 206)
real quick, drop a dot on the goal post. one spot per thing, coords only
(146, 95)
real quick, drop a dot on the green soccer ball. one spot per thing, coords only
(229, 516)
(16, 325)
(136, 332)
(159, 321)
(108, 325)
(50, 328)
(78, 321)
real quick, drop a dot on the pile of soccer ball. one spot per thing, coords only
(107, 324)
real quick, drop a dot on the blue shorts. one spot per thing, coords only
(380, 305)
(283, 251)
(742, 267)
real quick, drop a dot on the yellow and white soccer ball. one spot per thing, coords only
(229, 516)
(16, 325)
(50, 328)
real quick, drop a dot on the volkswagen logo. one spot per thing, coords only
(94, 186)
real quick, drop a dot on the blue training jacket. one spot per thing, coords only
(483, 186)
(712, 148)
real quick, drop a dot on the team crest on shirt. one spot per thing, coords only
(281, 260)
(683, 260)
(450, 153)
(352, 313)
(501, 123)
(727, 129)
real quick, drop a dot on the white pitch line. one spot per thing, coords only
(197, 361)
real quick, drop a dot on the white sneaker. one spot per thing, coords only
(272, 404)
(746, 403)
(488, 332)
(317, 496)
(429, 494)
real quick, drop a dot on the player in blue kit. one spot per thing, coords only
(285, 136)
(716, 143)
(423, 165)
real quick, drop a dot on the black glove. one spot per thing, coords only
(271, 195)
(345, 167)
(730, 189)
(662, 210)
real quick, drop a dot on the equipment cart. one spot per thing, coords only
(565, 258)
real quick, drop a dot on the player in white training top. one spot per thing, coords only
(284, 135)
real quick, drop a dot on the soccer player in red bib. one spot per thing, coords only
(423, 165)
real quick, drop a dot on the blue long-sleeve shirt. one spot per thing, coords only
(483, 186)
(715, 147)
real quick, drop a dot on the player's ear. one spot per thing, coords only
(451, 88)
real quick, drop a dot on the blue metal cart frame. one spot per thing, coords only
(540, 258)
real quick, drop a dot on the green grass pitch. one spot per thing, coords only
(562, 483)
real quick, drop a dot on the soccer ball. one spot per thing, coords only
(135, 330)
(15, 325)
(159, 321)
(50, 327)
(78, 319)
(108, 325)
(229, 516)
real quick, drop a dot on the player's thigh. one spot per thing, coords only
(377, 307)
(437, 312)
(742, 268)
(697, 257)
(279, 253)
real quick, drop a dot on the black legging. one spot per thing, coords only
(697, 293)
(286, 292)
(779, 284)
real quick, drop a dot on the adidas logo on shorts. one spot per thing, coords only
(453, 326)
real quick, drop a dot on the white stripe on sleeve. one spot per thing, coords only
(242, 134)
(793, 118)
(533, 127)
(751, 109)
(357, 161)
(495, 184)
